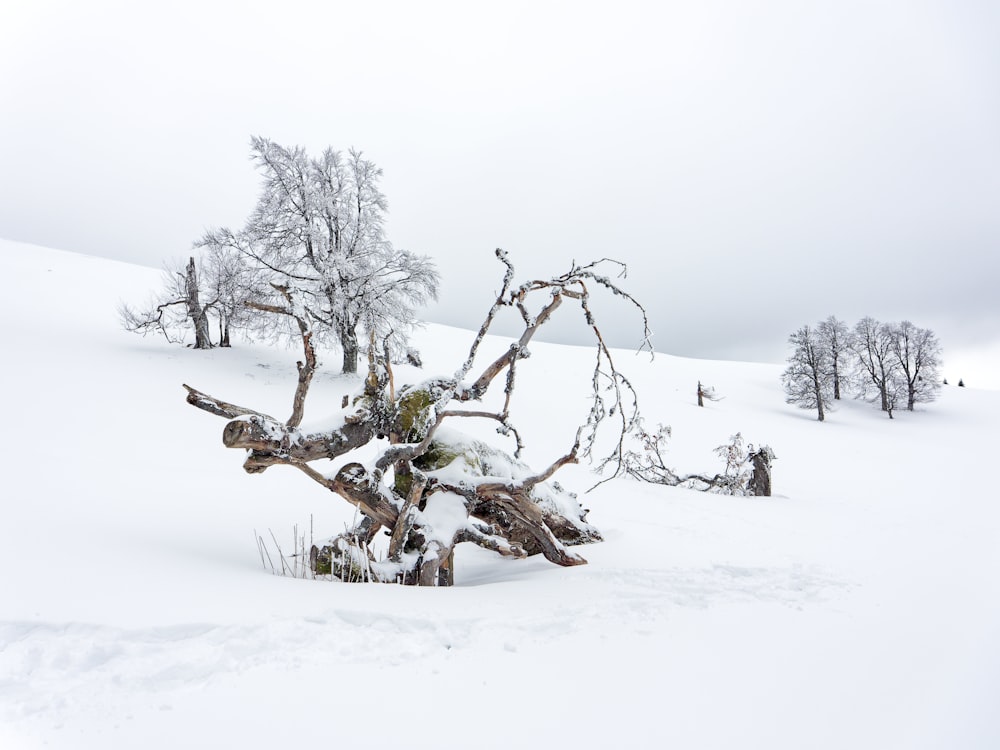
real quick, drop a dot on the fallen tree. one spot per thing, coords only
(747, 472)
(431, 487)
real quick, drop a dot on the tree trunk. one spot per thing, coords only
(760, 480)
(818, 392)
(202, 339)
(224, 330)
(446, 574)
(349, 344)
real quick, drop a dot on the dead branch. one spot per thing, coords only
(487, 539)
(305, 369)
(518, 350)
(219, 407)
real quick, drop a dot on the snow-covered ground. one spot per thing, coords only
(857, 608)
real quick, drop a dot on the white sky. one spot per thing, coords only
(758, 165)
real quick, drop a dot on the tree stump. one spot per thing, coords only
(760, 480)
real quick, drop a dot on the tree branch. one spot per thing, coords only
(220, 408)
(516, 351)
(487, 540)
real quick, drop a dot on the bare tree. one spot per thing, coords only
(231, 284)
(835, 337)
(872, 345)
(918, 356)
(808, 380)
(317, 233)
(432, 488)
(176, 308)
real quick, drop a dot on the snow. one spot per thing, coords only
(446, 516)
(857, 608)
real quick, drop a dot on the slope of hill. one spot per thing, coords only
(857, 607)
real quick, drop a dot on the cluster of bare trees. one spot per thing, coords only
(193, 299)
(889, 363)
(312, 253)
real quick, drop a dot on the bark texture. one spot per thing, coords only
(760, 479)
(197, 314)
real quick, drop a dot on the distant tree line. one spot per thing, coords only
(888, 363)
(313, 253)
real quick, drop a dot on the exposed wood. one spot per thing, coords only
(401, 531)
(431, 564)
(492, 541)
(220, 408)
(526, 526)
(354, 483)
(305, 369)
(266, 435)
(760, 480)
(518, 350)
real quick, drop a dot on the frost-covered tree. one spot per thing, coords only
(835, 337)
(872, 345)
(180, 306)
(918, 355)
(316, 237)
(809, 378)
(428, 486)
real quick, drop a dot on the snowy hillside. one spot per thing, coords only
(857, 608)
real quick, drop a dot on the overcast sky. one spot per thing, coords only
(758, 165)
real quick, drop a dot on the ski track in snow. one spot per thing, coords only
(51, 667)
